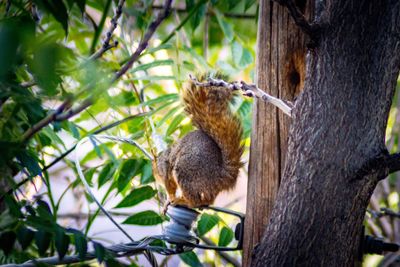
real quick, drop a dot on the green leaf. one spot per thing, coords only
(246, 59)
(153, 78)
(147, 174)
(57, 9)
(175, 123)
(157, 48)
(225, 26)
(197, 57)
(74, 130)
(45, 67)
(44, 210)
(24, 237)
(7, 240)
(136, 196)
(206, 223)
(191, 259)
(88, 173)
(161, 99)
(237, 52)
(80, 244)
(106, 173)
(81, 4)
(13, 206)
(99, 251)
(130, 168)
(42, 240)
(197, 16)
(153, 64)
(147, 217)
(248, 4)
(62, 241)
(29, 161)
(225, 237)
(169, 114)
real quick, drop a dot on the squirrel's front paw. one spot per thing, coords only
(181, 201)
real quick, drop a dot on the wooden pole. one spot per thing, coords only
(280, 68)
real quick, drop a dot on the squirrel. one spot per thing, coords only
(206, 161)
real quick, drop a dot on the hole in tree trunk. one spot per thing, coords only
(294, 77)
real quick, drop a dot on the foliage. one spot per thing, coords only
(57, 86)
(386, 195)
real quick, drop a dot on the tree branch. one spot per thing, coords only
(393, 163)
(250, 90)
(58, 115)
(384, 164)
(145, 41)
(114, 23)
(66, 153)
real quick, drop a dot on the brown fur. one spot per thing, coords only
(206, 161)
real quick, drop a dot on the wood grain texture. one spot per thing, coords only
(280, 72)
(338, 125)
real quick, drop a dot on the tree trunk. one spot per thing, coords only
(281, 51)
(337, 128)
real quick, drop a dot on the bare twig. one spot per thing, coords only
(145, 41)
(114, 23)
(250, 90)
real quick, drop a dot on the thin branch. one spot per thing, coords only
(250, 90)
(145, 41)
(66, 153)
(58, 115)
(114, 23)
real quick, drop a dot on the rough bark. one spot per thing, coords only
(338, 126)
(281, 51)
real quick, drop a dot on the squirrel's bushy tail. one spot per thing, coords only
(210, 112)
